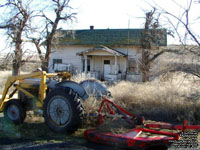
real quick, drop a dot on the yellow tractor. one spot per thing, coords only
(60, 99)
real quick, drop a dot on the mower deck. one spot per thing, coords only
(138, 137)
(132, 139)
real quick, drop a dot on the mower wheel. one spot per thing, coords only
(14, 111)
(62, 110)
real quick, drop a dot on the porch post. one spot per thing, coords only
(116, 64)
(85, 57)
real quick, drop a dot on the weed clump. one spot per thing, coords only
(172, 100)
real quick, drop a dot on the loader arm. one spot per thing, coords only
(42, 87)
(12, 79)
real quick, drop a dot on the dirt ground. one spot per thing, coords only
(33, 135)
(70, 143)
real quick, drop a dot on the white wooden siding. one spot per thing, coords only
(68, 56)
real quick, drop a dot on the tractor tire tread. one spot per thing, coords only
(76, 108)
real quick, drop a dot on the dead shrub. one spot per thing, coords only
(91, 107)
(171, 100)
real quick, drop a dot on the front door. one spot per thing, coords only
(107, 68)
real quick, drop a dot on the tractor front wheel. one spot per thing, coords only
(14, 111)
(62, 110)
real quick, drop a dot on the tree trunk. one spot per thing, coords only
(17, 61)
(45, 65)
(45, 61)
(145, 75)
(15, 68)
(145, 65)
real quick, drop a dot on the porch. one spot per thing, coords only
(104, 63)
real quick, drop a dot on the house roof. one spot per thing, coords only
(103, 48)
(108, 37)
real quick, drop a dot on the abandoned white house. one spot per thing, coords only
(105, 53)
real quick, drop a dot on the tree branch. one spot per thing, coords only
(185, 24)
(37, 45)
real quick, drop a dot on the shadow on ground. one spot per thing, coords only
(35, 135)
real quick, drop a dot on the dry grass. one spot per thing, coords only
(172, 99)
(81, 77)
(91, 106)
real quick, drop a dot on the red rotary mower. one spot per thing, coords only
(134, 138)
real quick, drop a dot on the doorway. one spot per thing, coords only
(107, 68)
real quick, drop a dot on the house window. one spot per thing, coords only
(56, 61)
(107, 62)
(132, 66)
(83, 65)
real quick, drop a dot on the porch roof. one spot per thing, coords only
(103, 48)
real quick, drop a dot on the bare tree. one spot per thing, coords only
(15, 23)
(47, 38)
(152, 33)
(185, 22)
(184, 26)
(182, 22)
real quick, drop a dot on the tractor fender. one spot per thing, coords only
(76, 87)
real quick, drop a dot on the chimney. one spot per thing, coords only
(91, 27)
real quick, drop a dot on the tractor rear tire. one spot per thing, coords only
(62, 110)
(14, 111)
